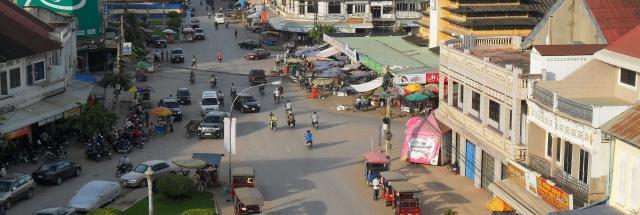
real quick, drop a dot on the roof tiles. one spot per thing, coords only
(628, 44)
(568, 50)
(615, 17)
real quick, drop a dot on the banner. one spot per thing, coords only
(554, 195)
(230, 135)
(86, 11)
(421, 149)
(263, 17)
(126, 48)
(404, 79)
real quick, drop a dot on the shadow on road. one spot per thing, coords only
(306, 207)
(329, 144)
(246, 128)
(436, 201)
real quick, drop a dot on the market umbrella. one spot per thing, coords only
(135, 89)
(190, 163)
(429, 94)
(160, 111)
(187, 30)
(322, 82)
(496, 204)
(417, 97)
(142, 65)
(168, 31)
(413, 87)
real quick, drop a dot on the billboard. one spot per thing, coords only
(86, 11)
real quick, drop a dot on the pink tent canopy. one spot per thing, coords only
(422, 140)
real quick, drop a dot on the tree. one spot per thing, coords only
(174, 22)
(112, 79)
(91, 120)
(319, 30)
(105, 211)
(172, 14)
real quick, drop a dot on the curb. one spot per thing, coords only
(123, 206)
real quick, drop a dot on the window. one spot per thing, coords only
(405, 6)
(475, 101)
(461, 92)
(38, 69)
(558, 148)
(568, 155)
(584, 166)
(334, 7)
(14, 78)
(494, 111)
(387, 10)
(349, 9)
(301, 7)
(359, 8)
(628, 77)
(549, 145)
(510, 119)
(311, 7)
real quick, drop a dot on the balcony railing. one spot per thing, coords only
(567, 129)
(408, 15)
(542, 95)
(31, 96)
(564, 105)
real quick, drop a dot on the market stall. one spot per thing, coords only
(422, 143)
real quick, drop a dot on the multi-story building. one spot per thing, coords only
(449, 19)
(37, 63)
(565, 140)
(585, 22)
(484, 104)
(625, 163)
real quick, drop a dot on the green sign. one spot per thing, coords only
(372, 64)
(86, 11)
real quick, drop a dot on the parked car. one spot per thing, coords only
(212, 125)
(257, 76)
(249, 44)
(56, 211)
(219, 18)
(161, 43)
(184, 96)
(136, 177)
(254, 27)
(173, 105)
(176, 55)
(246, 103)
(199, 34)
(14, 187)
(257, 54)
(95, 194)
(56, 171)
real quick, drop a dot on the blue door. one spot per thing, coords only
(469, 164)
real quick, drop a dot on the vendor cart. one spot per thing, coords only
(213, 163)
(191, 128)
(145, 97)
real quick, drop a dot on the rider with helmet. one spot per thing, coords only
(308, 138)
(272, 120)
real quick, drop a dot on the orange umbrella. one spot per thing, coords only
(160, 111)
(413, 87)
(496, 204)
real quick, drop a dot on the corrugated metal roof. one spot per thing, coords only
(22, 34)
(615, 17)
(598, 210)
(628, 44)
(625, 126)
(569, 50)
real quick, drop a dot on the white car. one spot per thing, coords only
(209, 102)
(95, 194)
(219, 18)
(136, 177)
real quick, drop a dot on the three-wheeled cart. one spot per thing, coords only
(242, 177)
(191, 128)
(386, 178)
(248, 200)
(406, 198)
(374, 163)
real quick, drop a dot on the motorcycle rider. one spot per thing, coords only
(124, 160)
(261, 89)
(272, 119)
(209, 15)
(291, 120)
(124, 164)
(314, 119)
(276, 95)
(233, 91)
(192, 77)
(194, 62)
(212, 80)
(220, 55)
(288, 107)
(308, 137)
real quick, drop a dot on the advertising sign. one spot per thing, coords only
(516, 172)
(126, 48)
(371, 64)
(230, 135)
(86, 11)
(554, 195)
(422, 149)
(404, 79)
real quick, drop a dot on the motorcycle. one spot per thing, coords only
(291, 122)
(213, 82)
(277, 99)
(315, 125)
(261, 90)
(122, 146)
(219, 59)
(96, 153)
(192, 79)
(309, 144)
(273, 125)
(123, 168)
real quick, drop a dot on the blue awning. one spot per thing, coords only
(210, 158)
(85, 77)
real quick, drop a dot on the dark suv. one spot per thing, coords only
(173, 105)
(184, 96)
(177, 55)
(246, 103)
(257, 76)
(212, 125)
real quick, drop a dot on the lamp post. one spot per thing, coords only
(149, 175)
(231, 116)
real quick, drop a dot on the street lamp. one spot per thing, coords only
(149, 175)
(279, 82)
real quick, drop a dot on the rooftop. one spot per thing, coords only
(22, 34)
(627, 45)
(568, 50)
(504, 57)
(393, 50)
(615, 17)
(619, 126)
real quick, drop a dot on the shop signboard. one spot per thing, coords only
(553, 195)
(86, 11)
(354, 20)
(71, 112)
(434, 77)
(18, 133)
(127, 48)
(351, 53)
(516, 172)
(404, 79)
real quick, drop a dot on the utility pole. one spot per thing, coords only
(387, 118)
(119, 64)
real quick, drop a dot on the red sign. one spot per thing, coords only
(435, 78)
(263, 17)
(18, 133)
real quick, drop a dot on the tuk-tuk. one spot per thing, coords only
(248, 200)
(386, 178)
(406, 198)
(374, 163)
(242, 177)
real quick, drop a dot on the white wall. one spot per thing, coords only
(603, 114)
(556, 67)
(433, 23)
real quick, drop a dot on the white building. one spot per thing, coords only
(555, 62)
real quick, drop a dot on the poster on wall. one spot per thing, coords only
(421, 149)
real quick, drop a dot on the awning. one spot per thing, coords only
(371, 85)
(210, 158)
(591, 210)
(327, 52)
(49, 108)
(520, 199)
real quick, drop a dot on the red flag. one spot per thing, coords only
(263, 17)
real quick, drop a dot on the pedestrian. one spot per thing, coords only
(196, 180)
(376, 187)
(170, 122)
(236, 32)
(162, 56)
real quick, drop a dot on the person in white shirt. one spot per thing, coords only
(376, 187)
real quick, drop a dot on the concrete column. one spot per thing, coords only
(466, 105)
(477, 180)
(461, 160)
(449, 90)
(484, 109)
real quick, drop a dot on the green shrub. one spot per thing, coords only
(176, 186)
(173, 14)
(174, 22)
(198, 211)
(105, 211)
